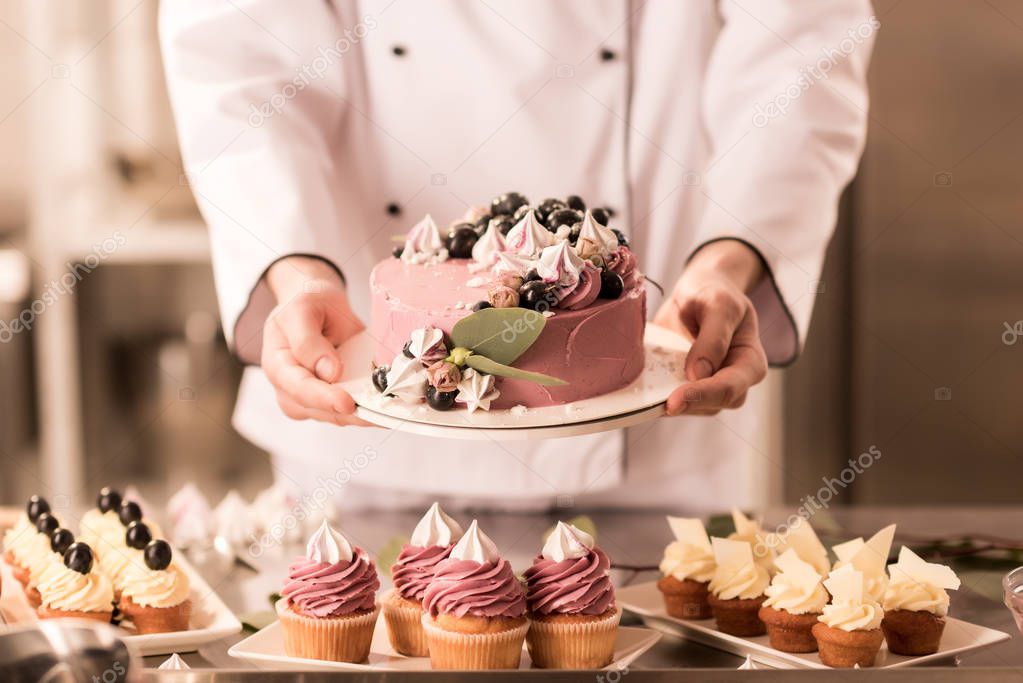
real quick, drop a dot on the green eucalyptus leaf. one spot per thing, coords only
(501, 334)
(490, 367)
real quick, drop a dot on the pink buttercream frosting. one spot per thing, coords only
(415, 569)
(464, 587)
(322, 589)
(623, 262)
(572, 586)
(586, 290)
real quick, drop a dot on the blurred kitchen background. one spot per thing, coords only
(124, 375)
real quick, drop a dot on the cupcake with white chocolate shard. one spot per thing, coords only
(916, 603)
(431, 543)
(687, 568)
(869, 558)
(795, 599)
(848, 632)
(737, 588)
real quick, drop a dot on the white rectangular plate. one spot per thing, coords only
(645, 600)
(211, 619)
(266, 648)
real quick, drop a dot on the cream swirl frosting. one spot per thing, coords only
(919, 586)
(737, 576)
(528, 238)
(18, 535)
(797, 588)
(95, 525)
(851, 608)
(160, 588)
(690, 555)
(118, 563)
(69, 591)
(36, 556)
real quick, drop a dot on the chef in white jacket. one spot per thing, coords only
(720, 133)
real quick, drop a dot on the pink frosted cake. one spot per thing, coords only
(516, 306)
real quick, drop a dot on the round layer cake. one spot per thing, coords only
(595, 350)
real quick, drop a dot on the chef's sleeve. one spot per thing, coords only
(785, 107)
(256, 88)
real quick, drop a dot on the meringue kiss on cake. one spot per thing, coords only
(431, 543)
(571, 601)
(538, 307)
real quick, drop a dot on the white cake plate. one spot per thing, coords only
(642, 400)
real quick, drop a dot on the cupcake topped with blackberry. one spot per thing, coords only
(915, 604)
(795, 599)
(328, 606)
(571, 603)
(76, 589)
(42, 557)
(102, 521)
(475, 608)
(155, 595)
(848, 631)
(431, 543)
(32, 555)
(24, 528)
(869, 558)
(687, 568)
(118, 561)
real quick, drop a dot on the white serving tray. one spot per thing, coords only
(265, 648)
(645, 600)
(643, 400)
(211, 619)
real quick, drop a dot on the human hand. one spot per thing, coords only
(709, 305)
(300, 340)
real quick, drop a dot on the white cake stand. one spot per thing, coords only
(642, 400)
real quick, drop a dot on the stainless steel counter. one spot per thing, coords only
(638, 539)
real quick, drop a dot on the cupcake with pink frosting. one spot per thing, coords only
(475, 608)
(571, 603)
(328, 604)
(431, 543)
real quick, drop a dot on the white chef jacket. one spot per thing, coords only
(328, 127)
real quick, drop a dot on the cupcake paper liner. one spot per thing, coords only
(912, 633)
(404, 625)
(335, 639)
(449, 650)
(580, 644)
(157, 619)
